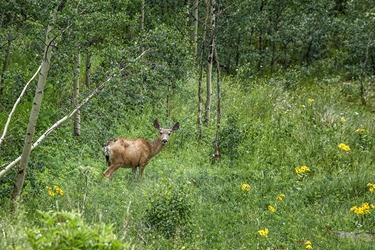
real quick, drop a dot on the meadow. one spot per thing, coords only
(296, 172)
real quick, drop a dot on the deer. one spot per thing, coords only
(133, 153)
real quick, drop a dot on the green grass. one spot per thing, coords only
(266, 132)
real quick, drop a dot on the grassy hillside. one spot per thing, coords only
(295, 172)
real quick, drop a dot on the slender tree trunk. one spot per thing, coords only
(209, 64)
(143, 16)
(77, 115)
(200, 80)
(217, 148)
(194, 33)
(20, 178)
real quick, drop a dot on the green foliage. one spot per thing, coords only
(231, 136)
(169, 210)
(67, 230)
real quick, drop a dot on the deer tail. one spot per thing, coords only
(107, 152)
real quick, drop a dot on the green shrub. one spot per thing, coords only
(67, 230)
(169, 210)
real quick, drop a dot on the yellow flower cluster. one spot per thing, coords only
(271, 208)
(364, 209)
(57, 190)
(308, 245)
(245, 187)
(263, 232)
(280, 197)
(343, 119)
(344, 147)
(302, 169)
(310, 100)
(371, 187)
(360, 130)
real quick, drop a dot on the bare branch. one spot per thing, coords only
(15, 105)
(54, 126)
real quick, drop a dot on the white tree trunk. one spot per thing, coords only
(209, 64)
(20, 178)
(194, 33)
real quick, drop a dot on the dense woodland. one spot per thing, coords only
(275, 99)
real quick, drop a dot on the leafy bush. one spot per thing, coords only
(169, 211)
(67, 230)
(231, 136)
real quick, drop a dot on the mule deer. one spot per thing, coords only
(133, 153)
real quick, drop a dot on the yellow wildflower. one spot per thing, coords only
(59, 190)
(360, 130)
(271, 208)
(371, 187)
(280, 197)
(263, 232)
(50, 191)
(343, 119)
(344, 147)
(245, 187)
(310, 100)
(302, 106)
(364, 209)
(303, 169)
(308, 245)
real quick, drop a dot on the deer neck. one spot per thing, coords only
(156, 146)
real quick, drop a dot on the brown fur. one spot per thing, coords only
(133, 153)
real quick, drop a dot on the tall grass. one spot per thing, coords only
(268, 130)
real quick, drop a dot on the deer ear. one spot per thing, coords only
(175, 127)
(156, 124)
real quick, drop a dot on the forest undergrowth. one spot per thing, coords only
(296, 172)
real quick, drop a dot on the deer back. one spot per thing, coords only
(130, 152)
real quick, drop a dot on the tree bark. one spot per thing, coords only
(217, 148)
(200, 80)
(20, 178)
(77, 116)
(209, 64)
(194, 33)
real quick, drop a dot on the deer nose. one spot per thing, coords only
(164, 141)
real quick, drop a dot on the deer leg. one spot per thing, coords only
(110, 170)
(134, 171)
(141, 168)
